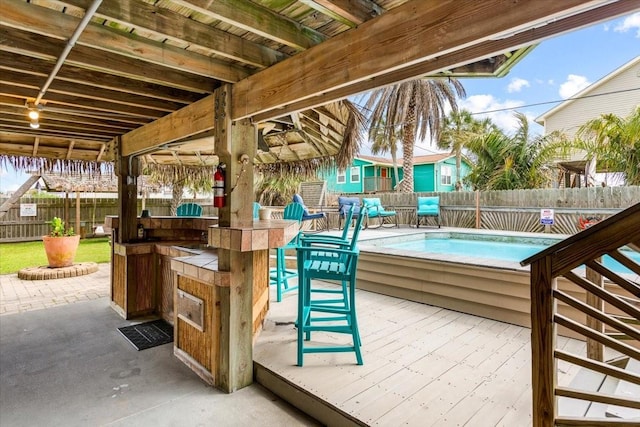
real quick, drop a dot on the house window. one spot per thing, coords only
(355, 174)
(342, 177)
(445, 172)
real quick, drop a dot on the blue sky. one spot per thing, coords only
(555, 70)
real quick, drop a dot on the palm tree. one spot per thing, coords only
(381, 144)
(458, 130)
(415, 107)
(613, 142)
(520, 161)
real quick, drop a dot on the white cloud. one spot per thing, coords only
(573, 85)
(631, 22)
(517, 84)
(504, 118)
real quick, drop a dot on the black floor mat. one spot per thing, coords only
(148, 334)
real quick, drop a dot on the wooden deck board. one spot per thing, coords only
(423, 365)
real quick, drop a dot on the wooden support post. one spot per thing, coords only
(595, 349)
(235, 145)
(78, 228)
(543, 344)
(128, 171)
(477, 208)
(66, 218)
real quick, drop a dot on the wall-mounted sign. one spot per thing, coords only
(546, 216)
(28, 209)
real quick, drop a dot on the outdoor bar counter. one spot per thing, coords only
(212, 287)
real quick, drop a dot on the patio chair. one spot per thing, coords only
(189, 209)
(327, 260)
(428, 206)
(308, 216)
(279, 276)
(344, 206)
(376, 210)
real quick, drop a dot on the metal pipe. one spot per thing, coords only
(67, 49)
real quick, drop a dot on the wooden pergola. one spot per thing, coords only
(195, 83)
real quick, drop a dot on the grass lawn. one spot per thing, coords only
(15, 256)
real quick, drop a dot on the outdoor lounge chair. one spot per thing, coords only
(428, 206)
(189, 209)
(344, 206)
(376, 210)
(308, 216)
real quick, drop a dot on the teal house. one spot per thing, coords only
(368, 174)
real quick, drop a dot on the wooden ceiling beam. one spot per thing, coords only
(75, 118)
(46, 151)
(172, 25)
(87, 90)
(53, 130)
(106, 108)
(349, 12)
(188, 121)
(460, 57)
(35, 146)
(70, 73)
(70, 149)
(37, 46)
(51, 123)
(258, 20)
(410, 34)
(44, 21)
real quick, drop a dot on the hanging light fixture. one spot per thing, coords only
(34, 114)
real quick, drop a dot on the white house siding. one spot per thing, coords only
(571, 114)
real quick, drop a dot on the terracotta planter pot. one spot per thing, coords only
(61, 251)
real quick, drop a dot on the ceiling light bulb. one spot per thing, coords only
(34, 114)
(34, 124)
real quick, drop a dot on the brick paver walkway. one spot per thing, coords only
(17, 296)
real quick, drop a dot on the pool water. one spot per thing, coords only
(489, 249)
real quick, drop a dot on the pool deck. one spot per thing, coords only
(423, 365)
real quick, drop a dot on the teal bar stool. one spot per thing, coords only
(336, 261)
(340, 293)
(280, 275)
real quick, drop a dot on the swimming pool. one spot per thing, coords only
(492, 248)
(471, 278)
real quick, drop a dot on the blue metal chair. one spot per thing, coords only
(279, 275)
(376, 210)
(308, 216)
(189, 209)
(333, 260)
(428, 206)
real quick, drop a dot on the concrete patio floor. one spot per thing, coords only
(63, 362)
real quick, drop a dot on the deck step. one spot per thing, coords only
(629, 391)
(585, 380)
(591, 381)
(310, 404)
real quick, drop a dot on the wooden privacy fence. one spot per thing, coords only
(517, 210)
(15, 227)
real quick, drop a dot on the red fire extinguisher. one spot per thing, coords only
(218, 188)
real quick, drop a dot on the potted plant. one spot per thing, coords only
(61, 244)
